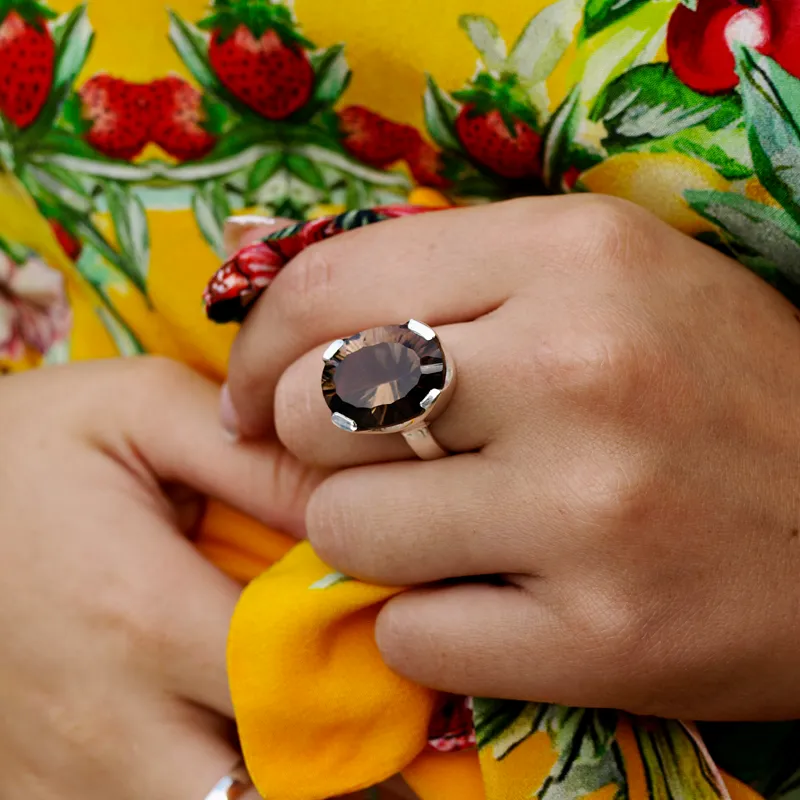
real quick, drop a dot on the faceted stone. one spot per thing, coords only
(384, 377)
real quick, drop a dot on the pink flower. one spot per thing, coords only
(34, 312)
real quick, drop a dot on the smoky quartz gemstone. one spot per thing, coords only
(383, 378)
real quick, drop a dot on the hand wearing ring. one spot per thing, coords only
(624, 438)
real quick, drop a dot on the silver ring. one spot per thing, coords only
(393, 379)
(233, 785)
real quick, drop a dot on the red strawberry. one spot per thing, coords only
(69, 244)
(27, 56)
(179, 118)
(497, 126)
(258, 55)
(426, 165)
(373, 139)
(512, 152)
(118, 114)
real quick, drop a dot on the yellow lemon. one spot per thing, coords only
(326, 210)
(755, 190)
(428, 198)
(657, 182)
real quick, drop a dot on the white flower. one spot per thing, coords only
(34, 312)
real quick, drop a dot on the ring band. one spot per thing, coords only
(393, 379)
(233, 785)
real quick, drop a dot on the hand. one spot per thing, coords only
(627, 430)
(112, 627)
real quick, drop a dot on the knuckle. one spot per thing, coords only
(157, 371)
(330, 523)
(602, 368)
(305, 285)
(614, 491)
(615, 232)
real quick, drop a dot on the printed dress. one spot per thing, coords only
(130, 131)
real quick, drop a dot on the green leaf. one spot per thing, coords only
(635, 39)
(494, 717)
(773, 118)
(211, 209)
(674, 763)
(599, 14)
(306, 170)
(74, 37)
(440, 116)
(332, 77)
(130, 223)
(649, 102)
(690, 4)
(61, 185)
(263, 170)
(768, 231)
(543, 41)
(557, 140)
(485, 36)
(192, 47)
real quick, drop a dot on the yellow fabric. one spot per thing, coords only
(318, 712)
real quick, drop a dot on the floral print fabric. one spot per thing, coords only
(114, 189)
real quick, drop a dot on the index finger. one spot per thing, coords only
(445, 267)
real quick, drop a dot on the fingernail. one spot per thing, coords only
(227, 414)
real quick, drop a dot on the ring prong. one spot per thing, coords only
(343, 422)
(430, 398)
(421, 329)
(333, 349)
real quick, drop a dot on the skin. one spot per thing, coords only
(626, 452)
(112, 626)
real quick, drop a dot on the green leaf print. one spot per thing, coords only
(440, 116)
(588, 759)
(541, 46)
(332, 78)
(130, 224)
(649, 102)
(675, 765)
(599, 14)
(773, 116)
(333, 579)
(192, 47)
(485, 36)
(557, 140)
(263, 170)
(211, 208)
(766, 231)
(306, 170)
(624, 44)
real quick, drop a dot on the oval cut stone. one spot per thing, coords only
(384, 377)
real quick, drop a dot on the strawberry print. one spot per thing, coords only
(179, 119)
(116, 116)
(427, 165)
(27, 57)
(373, 139)
(508, 147)
(258, 55)
(69, 244)
(452, 727)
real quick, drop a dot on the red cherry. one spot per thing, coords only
(786, 36)
(699, 43)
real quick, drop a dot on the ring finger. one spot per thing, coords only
(303, 420)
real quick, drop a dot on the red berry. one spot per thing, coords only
(487, 139)
(27, 55)
(178, 116)
(273, 78)
(120, 116)
(425, 163)
(699, 43)
(786, 34)
(69, 244)
(373, 139)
